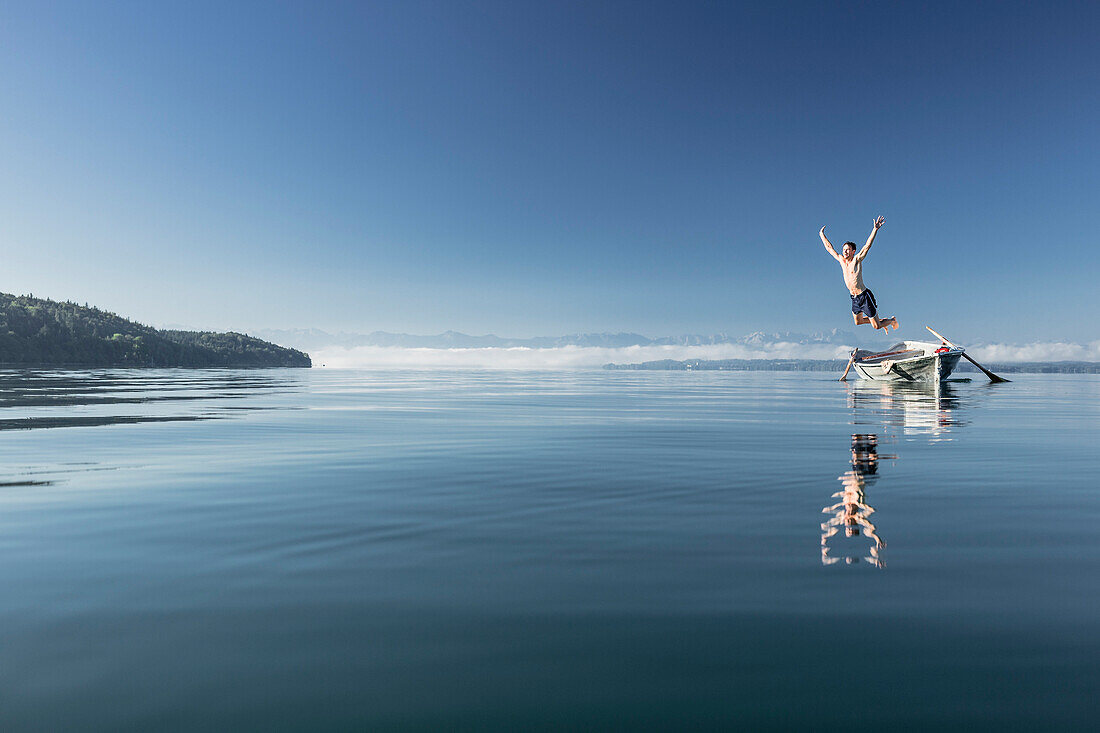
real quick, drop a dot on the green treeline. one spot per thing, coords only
(36, 332)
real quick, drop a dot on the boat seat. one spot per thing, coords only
(876, 358)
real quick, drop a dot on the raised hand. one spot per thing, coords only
(879, 222)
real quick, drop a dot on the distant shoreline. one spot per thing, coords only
(19, 367)
(828, 365)
(38, 333)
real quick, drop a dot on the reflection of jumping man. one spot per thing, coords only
(852, 512)
(864, 309)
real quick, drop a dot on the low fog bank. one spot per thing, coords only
(588, 357)
(1038, 351)
(562, 357)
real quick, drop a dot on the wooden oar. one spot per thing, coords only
(992, 377)
(851, 360)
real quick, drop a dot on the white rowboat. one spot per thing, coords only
(908, 361)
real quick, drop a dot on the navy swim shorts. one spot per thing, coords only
(865, 303)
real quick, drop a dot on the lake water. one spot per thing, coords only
(514, 550)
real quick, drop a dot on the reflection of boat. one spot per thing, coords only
(929, 408)
(907, 361)
(882, 411)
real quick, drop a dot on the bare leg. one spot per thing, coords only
(860, 319)
(885, 323)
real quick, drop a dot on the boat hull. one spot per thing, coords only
(930, 368)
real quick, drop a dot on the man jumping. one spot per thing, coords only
(864, 309)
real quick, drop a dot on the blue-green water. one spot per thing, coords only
(515, 550)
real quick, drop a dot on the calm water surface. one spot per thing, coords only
(513, 550)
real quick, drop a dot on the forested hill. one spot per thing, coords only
(36, 332)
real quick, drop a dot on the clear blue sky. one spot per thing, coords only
(541, 168)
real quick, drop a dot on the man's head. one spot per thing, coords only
(848, 251)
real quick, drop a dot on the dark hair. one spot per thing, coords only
(847, 243)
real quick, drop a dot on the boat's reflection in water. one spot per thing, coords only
(884, 410)
(916, 408)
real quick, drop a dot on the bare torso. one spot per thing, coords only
(853, 275)
(851, 263)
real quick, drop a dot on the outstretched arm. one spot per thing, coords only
(871, 239)
(828, 244)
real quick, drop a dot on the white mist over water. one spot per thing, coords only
(587, 357)
(1038, 351)
(562, 357)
